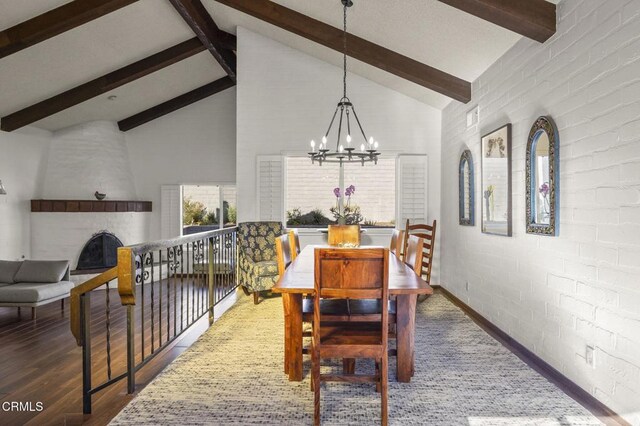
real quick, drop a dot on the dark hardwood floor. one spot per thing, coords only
(41, 363)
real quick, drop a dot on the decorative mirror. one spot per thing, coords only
(466, 193)
(542, 178)
(496, 182)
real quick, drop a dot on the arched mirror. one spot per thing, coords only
(465, 194)
(542, 178)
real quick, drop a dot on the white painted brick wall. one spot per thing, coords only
(83, 159)
(558, 295)
(87, 158)
(61, 236)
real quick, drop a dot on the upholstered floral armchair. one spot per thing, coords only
(257, 263)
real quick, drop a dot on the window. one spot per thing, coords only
(201, 207)
(310, 199)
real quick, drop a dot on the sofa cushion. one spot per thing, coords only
(34, 292)
(41, 271)
(8, 269)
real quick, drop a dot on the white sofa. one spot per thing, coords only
(32, 283)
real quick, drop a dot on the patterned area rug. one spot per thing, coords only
(233, 376)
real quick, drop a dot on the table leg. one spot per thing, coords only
(295, 337)
(405, 328)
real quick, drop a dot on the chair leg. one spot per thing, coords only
(384, 382)
(246, 292)
(33, 313)
(256, 297)
(62, 304)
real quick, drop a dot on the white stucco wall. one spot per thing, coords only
(23, 156)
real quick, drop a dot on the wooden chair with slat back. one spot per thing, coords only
(283, 252)
(284, 255)
(294, 241)
(344, 235)
(413, 255)
(397, 240)
(428, 233)
(353, 274)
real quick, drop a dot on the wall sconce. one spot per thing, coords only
(2, 190)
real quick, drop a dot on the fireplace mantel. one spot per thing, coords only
(89, 206)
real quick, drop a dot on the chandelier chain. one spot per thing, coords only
(344, 56)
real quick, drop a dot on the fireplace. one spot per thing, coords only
(100, 252)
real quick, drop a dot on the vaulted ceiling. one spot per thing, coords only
(428, 31)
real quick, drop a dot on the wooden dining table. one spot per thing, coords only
(298, 280)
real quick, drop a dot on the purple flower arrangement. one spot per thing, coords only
(347, 192)
(350, 190)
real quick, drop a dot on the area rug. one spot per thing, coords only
(233, 375)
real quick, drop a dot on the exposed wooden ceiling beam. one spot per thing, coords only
(535, 19)
(196, 16)
(54, 22)
(228, 40)
(357, 47)
(101, 85)
(175, 103)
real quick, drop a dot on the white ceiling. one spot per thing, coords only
(426, 30)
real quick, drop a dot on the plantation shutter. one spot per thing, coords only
(412, 189)
(270, 188)
(170, 211)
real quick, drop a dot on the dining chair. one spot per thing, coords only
(397, 240)
(284, 259)
(284, 253)
(294, 240)
(428, 233)
(344, 235)
(353, 274)
(413, 253)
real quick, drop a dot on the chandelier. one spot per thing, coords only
(348, 151)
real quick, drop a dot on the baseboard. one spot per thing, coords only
(597, 408)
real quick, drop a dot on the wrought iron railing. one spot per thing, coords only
(164, 287)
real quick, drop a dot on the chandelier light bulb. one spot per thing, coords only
(313, 145)
(324, 141)
(371, 140)
(375, 145)
(348, 139)
(362, 147)
(341, 148)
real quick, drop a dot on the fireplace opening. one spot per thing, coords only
(99, 253)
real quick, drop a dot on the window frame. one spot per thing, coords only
(220, 199)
